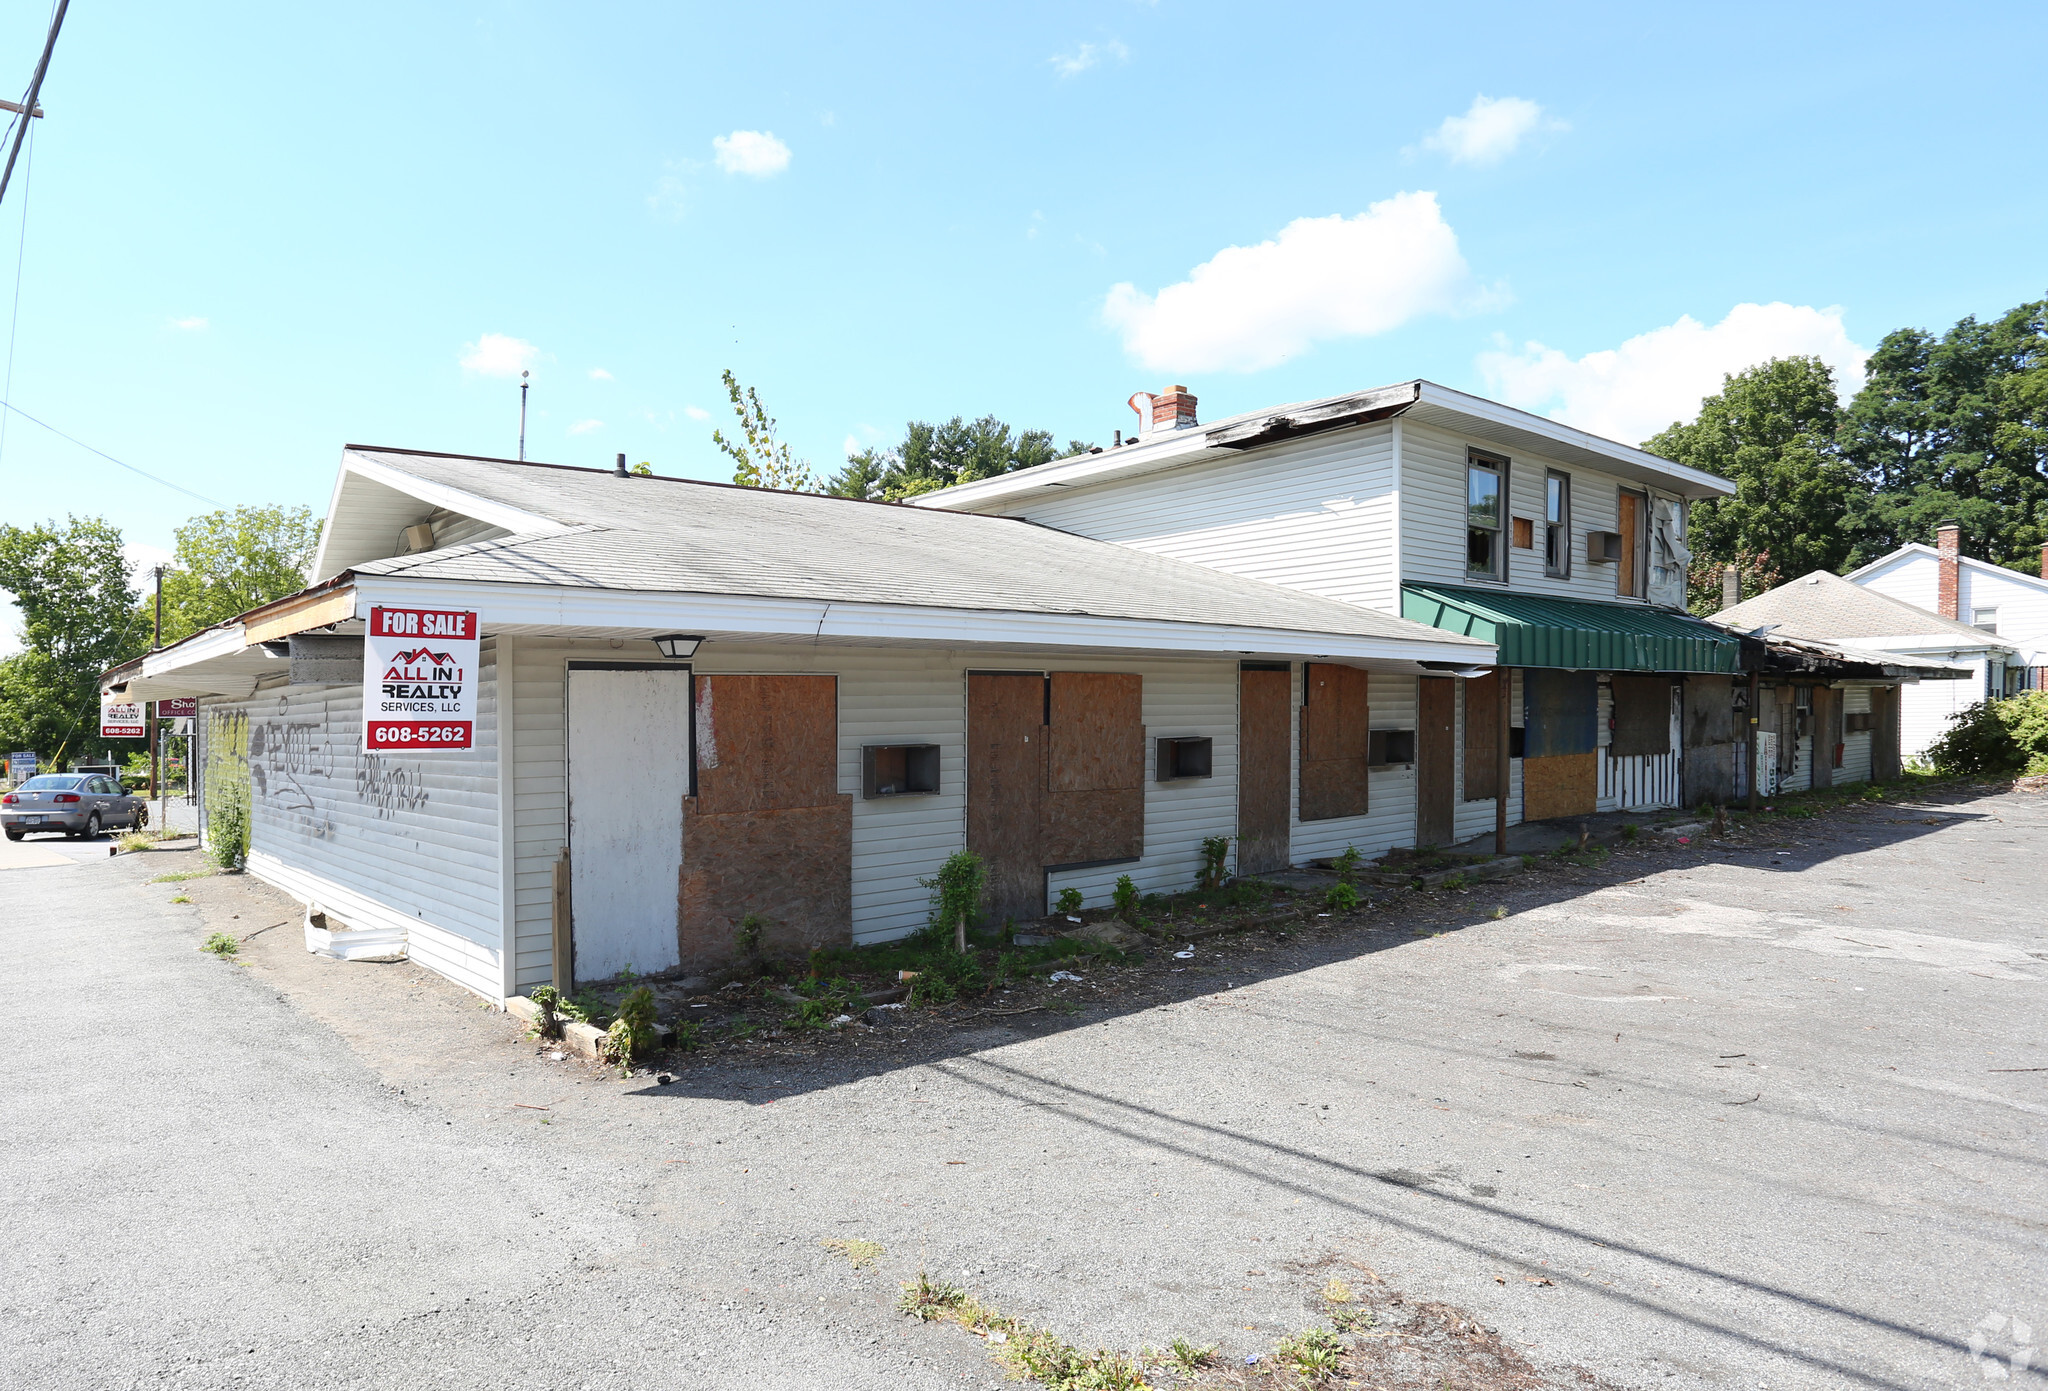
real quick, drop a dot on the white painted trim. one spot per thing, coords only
(200, 647)
(1399, 442)
(558, 608)
(508, 810)
(1494, 413)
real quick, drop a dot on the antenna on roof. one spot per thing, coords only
(522, 417)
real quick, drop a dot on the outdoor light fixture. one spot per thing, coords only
(678, 646)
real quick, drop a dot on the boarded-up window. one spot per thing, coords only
(1561, 710)
(1482, 737)
(1642, 716)
(1336, 724)
(768, 833)
(1094, 807)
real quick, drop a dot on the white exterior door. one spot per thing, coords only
(629, 770)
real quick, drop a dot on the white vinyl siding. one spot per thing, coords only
(379, 840)
(890, 697)
(453, 530)
(2020, 600)
(1317, 515)
(1432, 469)
(1927, 706)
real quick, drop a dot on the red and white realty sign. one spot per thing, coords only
(419, 679)
(122, 720)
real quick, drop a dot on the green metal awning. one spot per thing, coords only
(1578, 634)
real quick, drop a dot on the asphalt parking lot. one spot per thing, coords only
(1766, 1115)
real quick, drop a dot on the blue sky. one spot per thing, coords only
(257, 233)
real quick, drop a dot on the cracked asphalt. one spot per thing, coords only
(1761, 1116)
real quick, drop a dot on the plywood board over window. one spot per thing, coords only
(768, 832)
(1265, 709)
(1709, 768)
(1642, 716)
(1336, 724)
(1094, 807)
(1560, 775)
(1005, 784)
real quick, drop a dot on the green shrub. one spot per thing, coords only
(1347, 863)
(1995, 738)
(956, 894)
(547, 1023)
(1069, 901)
(1341, 898)
(1125, 896)
(222, 945)
(1215, 850)
(227, 827)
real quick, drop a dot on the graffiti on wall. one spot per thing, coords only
(389, 786)
(299, 763)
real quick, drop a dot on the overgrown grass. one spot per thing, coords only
(1025, 1351)
(180, 876)
(221, 945)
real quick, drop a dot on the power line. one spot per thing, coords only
(35, 87)
(9, 405)
(20, 253)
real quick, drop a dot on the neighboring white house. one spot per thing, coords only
(2009, 605)
(1566, 550)
(1827, 608)
(851, 692)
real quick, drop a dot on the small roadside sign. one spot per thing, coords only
(21, 767)
(183, 708)
(122, 720)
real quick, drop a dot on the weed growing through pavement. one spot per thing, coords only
(548, 1022)
(858, 1250)
(136, 840)
(1312, 1354)
(689, 1037)
(221, 945)
(180, 876)
(1630, 831)
(1500, 910)
(1190, 1357)
(1347, 863)
(1456, 881)
(632, 1033)
(1036, 1353)
(181, 898)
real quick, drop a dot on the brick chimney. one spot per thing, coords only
(1173, 410)
(1948, 543)
(1731, 586)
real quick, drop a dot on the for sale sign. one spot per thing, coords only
(419, 679)
(122, 721)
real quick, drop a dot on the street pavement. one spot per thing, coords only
(1769, 1116)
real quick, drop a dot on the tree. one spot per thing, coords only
(1771, 431)
(79, 617)
(941, 456)
(764, 460)
(1955, 426)
(229, 562)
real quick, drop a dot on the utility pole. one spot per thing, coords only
(522, 417)
(155, 727)
(35, 88)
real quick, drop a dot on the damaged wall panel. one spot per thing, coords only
(1482, 737)
(768, 832)
(1336, 726)
(1709, 723)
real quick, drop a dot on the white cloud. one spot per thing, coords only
(755, 153)
(598, 374)
(1489, 131)
(584, 427)
(696, 412)
(499, 355)
(193, 324)
(1631, 392)
(1086, 56)
(670, 194)
(1253, 307)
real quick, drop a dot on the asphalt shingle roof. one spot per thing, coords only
(1826, 606)
(681, 536)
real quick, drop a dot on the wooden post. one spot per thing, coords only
(1506, 683)
(565, 940)
(1754, 740)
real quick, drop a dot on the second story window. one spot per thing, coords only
(1557, 525)
(1987, 619)
(1485, 549)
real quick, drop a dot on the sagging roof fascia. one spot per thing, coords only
(1177, 448)
(538, 606)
